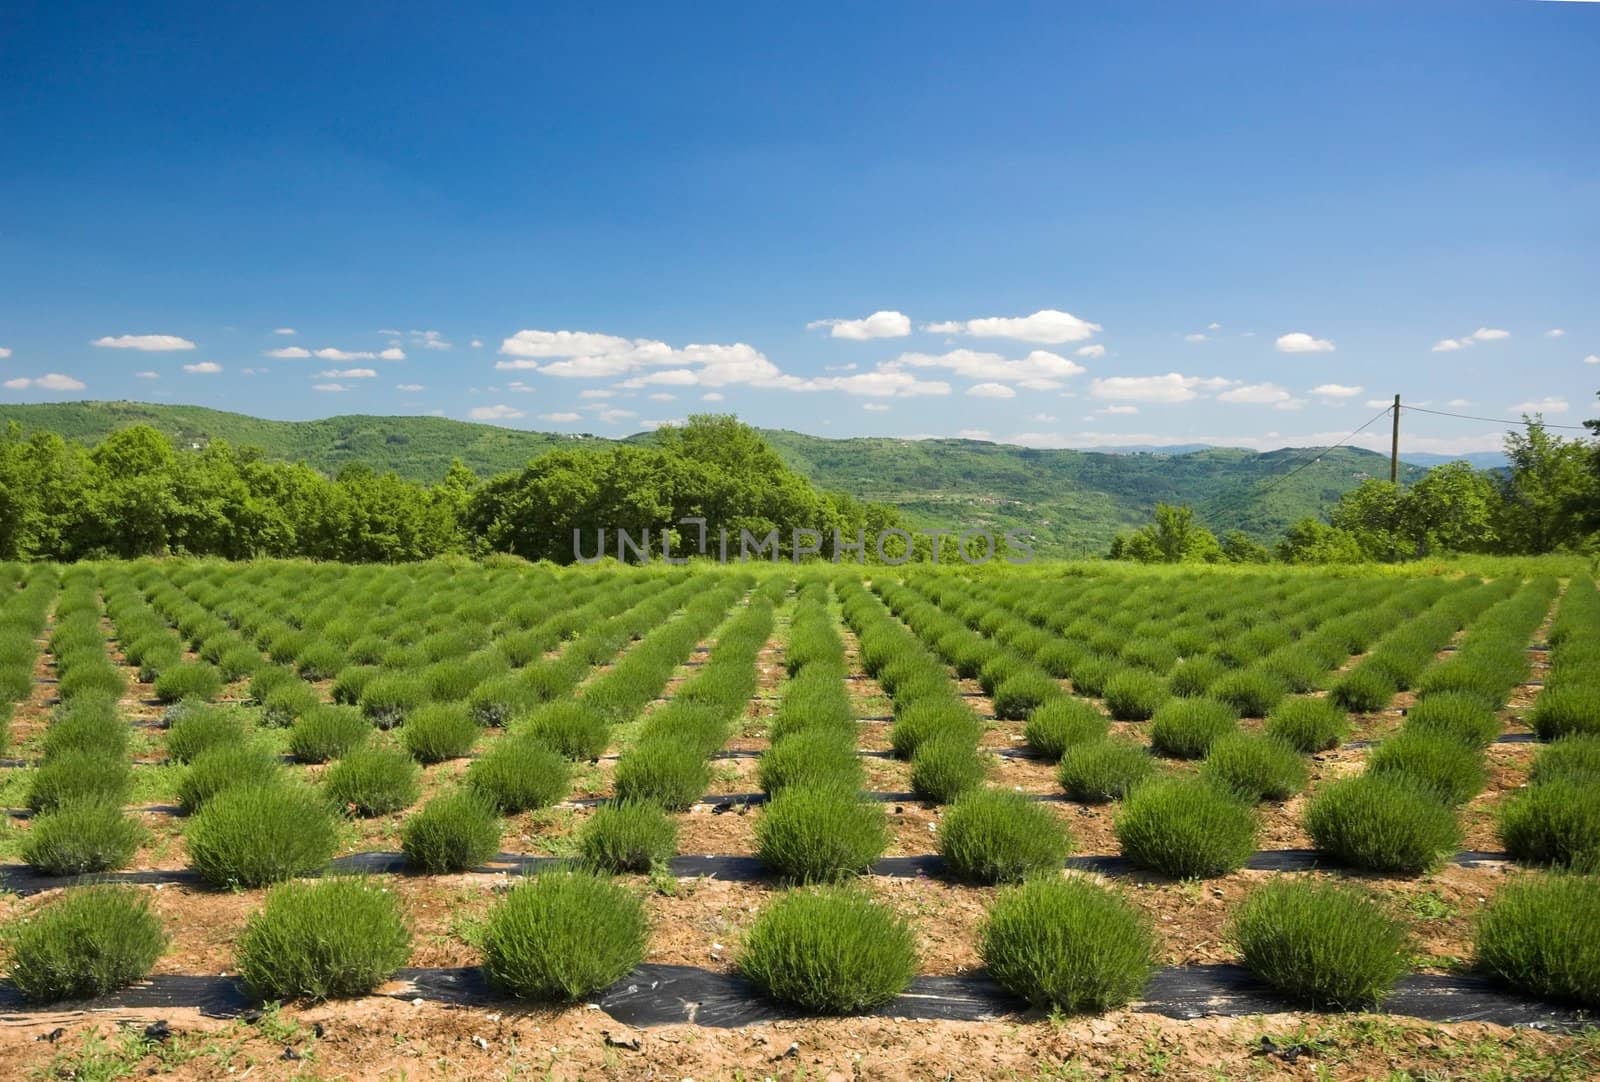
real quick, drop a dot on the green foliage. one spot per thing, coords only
(456, 831)
(628, 837)
(1251, 693)
(664, 771)
(1185, 728)
(439, 731)
(814, 834)
(80, 838)
(1018, 696)
(78, 776)
(1097, 771)
(200, 730)
(223, 767)
(1537, 934)
(1062, 723)
(1308, 725)
(831, 950)
(193, 680)
(811, 757)
(1572, 758)
(328, 732)
(335, 939)
(1134, 694)
(1567, 711)
(560, 936)
(251, 835)
(1329, 945)
(945, 767)
(925, 720)
(371, 781)
(1556, 822)
(572, 727)
(1462, 717)
(1255, 767)
(90, 941)
(1382, 824)
(997, 836)
(1068, 944)
(1363, 690)
(1195, 675)
(1444, 766)
(1186, 829)
(519, 774)
(389, 698)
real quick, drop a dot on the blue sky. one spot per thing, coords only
(1080, 225)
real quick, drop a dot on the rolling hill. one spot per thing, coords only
(1073, 501)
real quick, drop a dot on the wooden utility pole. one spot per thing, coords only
(1394, 446)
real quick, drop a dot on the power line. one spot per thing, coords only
(1326, 450)
(1491, 420)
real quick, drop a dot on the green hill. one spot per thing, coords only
(1074, 501)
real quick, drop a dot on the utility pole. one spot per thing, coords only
(1394, 446)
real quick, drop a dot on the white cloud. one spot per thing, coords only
(1256, 394)
(147, 375)
(1459, 403)
(974, 434)
(662, 396)
(1550, 404)
(875, 407)
(53, 381)
(408, 388)
(1555, 332)
(596, 392)
(289, 353)
(477, 343)
(991, 390)
(285, 330)
(1047, 326)
(495, 413)
(519, 387)
(1377, 403)
(1094, 352)
(1172, 387)
(349, 373)
(428, 340)
(561, 418)
(1272, 441)
(1044, 418)
(1301, 342)
(1336, 390)
(1039, 366)
(328, 388)
(529, 343)
(1449, 345)
(1482, 334)
(1490, 334)
(148, 343)
(391, 354)
(881, 324)
(1213, 326)
(4, 353)
(613, 416)
(713, 396)
(883, 382)
(331, 354)
(671, 422)
(204, 368)
(1593, 358)
(1114, 410)
(1195, 337)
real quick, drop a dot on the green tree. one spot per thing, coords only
(1312, 541)
(1547, 493)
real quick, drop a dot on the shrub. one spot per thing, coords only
(938, 717)
(1194, 676)
(1255, 767)
(1537, 934)
(1453, 771)
(628, 837)
(454, 832)
(1463, 718)
(1134, 694)
(1572, 758)
(1186, 829)
(831, 950)
(1363, 690)
(328, 732)
(997, 836)
(269, 678)
(1185, 728)
(320, 661)
(1555, 822)
(223, 767)
(811, 757)
(1382, 825)
(1061, 723)
(560, 936)
(519, 774)
(1566, 711)
(90, 941)
(820, 833)
(662, 770)
(373, 781)
(351, 682)
(1250, 692)
(339, 938)
(945, 767)
(76, 776)
(251, 835)
(439, 731)
(1100, 770)
(389, 697)
(1019, 695)
(1068, 944)
(1329, 945)
(96, 730)
(238, 661)
(1308, 725)
(1090, 675)
(495, 702)
(194, 680)
(201, 730)
(573, 728)
(81, 838)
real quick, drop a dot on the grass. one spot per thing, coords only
(252, 835)
(334, 939)
(1063, 723)
(1185, 728)
(373, 781)
(997, 836)
(563, 935)
(1382, 824)
(1451, 770)
(1554, 823)
(628, 837)
(818, 834)
(830, 951)
(1186, 829)
(1308, 725)
(520, 774)
(1098, 771)
(1254, 766)
(454, 832)
(1537, 935)
(81, 838)
(1069, 945)
(89, 941)
(1328, 945)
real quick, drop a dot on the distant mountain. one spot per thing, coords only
(1483, 460)
(1073, 501)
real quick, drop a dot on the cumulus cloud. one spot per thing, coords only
(329, 353)
(1272, 441)
(328, 388)
(1048, 326)
(1301, 342)
(1213, 326)
(148, 343)
(1170, 388)
(991, 390)
(4, 353)
(408, 388)
(427, 340)
(495, 413)
(1593, 358)
(349, 373)
(1195, 337)
(596, 392)
(285, 330)
(1039, 370)
(881, 324)
(875, 407)
(1115, 410)
(613, 416)
(204, 368)
(289, 353)
(713, 396)
(1335, 390)
(477, 343)
(1094, 352)
(1257, 394)
(1555, 332)
(1550, 404)
(53, 381)
(1482, 334)
(561, 418)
